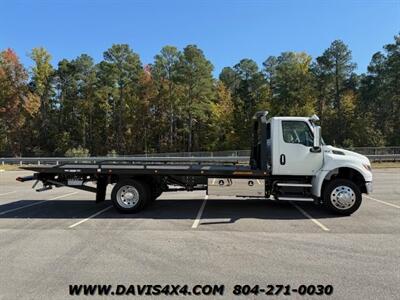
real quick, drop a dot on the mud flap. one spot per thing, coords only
(101, 189)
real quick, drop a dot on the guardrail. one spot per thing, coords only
(377, 150)
(375, 154)
(384, 158)
(123, 159)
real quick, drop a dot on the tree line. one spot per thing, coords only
(121, 106)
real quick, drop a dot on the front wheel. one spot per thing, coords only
(342, 196)
(129, 196)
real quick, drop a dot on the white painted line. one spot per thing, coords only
(213, 181)
(384, 202)
(1, 170)
(36, 203)
(63, 196)
(9, 193)
(197, 221)
(310, 217)
(90, 217)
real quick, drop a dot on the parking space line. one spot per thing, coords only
(383, 202)
(90, 217)
(36, 203)
(198, 218)
(9, 193)
(306, 214)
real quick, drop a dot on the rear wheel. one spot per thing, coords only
(342, 196)
(130, 196)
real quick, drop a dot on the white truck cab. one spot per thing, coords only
(303, 167)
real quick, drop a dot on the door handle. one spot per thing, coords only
(283, 159)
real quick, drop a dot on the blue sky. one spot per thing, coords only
(226, 31)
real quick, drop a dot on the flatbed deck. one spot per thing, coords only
(216, 168)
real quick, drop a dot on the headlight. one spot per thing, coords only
(368, 167)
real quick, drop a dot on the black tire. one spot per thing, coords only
(130, 196)
(345, 188)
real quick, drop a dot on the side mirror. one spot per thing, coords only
(317, 138)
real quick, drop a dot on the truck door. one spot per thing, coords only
(296, 155)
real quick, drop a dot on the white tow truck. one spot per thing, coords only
(289, 162)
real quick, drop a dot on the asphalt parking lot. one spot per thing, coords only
(52, 239)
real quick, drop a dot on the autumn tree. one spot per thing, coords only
(221, 129)
(17, 104)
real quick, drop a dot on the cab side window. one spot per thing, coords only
(297, 132)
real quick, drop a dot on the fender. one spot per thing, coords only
(326, 173)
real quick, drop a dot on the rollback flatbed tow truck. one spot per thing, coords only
(289, 162)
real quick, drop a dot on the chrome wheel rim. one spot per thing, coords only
(127, 196)
(343, 197)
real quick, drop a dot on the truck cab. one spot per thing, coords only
(303, 168)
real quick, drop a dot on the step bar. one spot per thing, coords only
(295, 199)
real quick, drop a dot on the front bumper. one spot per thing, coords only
(369, 187)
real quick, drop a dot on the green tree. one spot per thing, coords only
(335, 79)
(291, 83)
(380, 92)
(195, 76)
(165, 75)
(230, 79)
(42, 85)
(250, 92)
(252, 88)
(123, 69)
(174, 104)
(76, 89)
